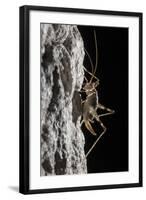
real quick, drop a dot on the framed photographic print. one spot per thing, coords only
(80, 99)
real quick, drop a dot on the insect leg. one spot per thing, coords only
(83, 101)
(81, 122)
(89, 127)
(91, 74)
(109, 111)
(86, 79)
(96, 141)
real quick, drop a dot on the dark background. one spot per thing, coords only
(111, 152)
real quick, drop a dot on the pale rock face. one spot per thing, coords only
(62, 140)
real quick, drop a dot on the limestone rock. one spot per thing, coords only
(62, 140)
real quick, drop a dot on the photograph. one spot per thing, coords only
(84, 99)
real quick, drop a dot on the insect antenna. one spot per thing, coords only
(90, 74)
(96, 63)
(89, 60)
(90, 63)
(93, 71)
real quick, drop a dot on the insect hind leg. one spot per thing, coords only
(99, 137)
(96, 141)
(109, 111)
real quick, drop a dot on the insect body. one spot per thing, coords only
(91, 104)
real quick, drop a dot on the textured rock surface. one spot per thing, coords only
(62, 141)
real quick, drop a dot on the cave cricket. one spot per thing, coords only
(91, 104)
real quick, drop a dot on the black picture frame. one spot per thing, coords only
(24, 122)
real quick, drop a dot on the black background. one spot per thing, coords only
(111, 152)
